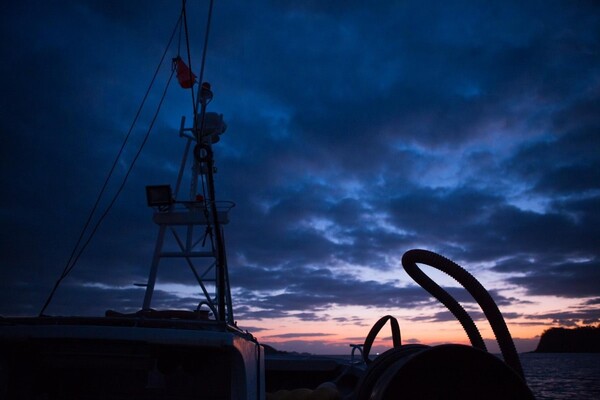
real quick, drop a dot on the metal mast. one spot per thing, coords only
(200, 217)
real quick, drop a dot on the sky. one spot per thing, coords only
(355, 132)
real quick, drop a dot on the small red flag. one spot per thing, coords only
(185, 76)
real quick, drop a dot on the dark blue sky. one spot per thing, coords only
(356, 131)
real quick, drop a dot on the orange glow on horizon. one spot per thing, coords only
(327, 336)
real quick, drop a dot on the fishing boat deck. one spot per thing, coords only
(128, 357)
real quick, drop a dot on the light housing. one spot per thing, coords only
(159, 195)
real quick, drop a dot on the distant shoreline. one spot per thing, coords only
(584, 339)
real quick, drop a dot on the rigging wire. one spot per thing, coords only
(135, 158)
(194, 106)
(196, 101)
(180, 29)
(200, 80)
(189, 55)
(215, 233)
(75, 253)
(203, 62)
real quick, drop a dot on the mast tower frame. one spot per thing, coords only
(184, 219)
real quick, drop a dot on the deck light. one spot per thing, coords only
(159, 195)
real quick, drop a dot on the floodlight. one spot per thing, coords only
(159, 195)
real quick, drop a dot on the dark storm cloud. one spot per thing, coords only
(316, 290)
(572, 317)
(568, 279)
(565, 165)
(309, 291)
(58, 87)
(355, 132)
(436, 106)
(445, 78)
(592, 301)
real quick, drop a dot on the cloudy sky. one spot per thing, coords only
(356, 131)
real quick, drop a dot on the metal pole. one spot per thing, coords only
(184, 159)
(154, 268)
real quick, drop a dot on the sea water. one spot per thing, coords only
(562, 375)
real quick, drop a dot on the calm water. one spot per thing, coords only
(563, 376)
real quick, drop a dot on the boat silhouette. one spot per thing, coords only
(201, 353)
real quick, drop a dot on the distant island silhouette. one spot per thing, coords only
(584, 339)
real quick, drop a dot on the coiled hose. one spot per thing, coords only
(479, 293)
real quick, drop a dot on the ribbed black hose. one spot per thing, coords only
(479, 293)
(370, 339)
(444, 297)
